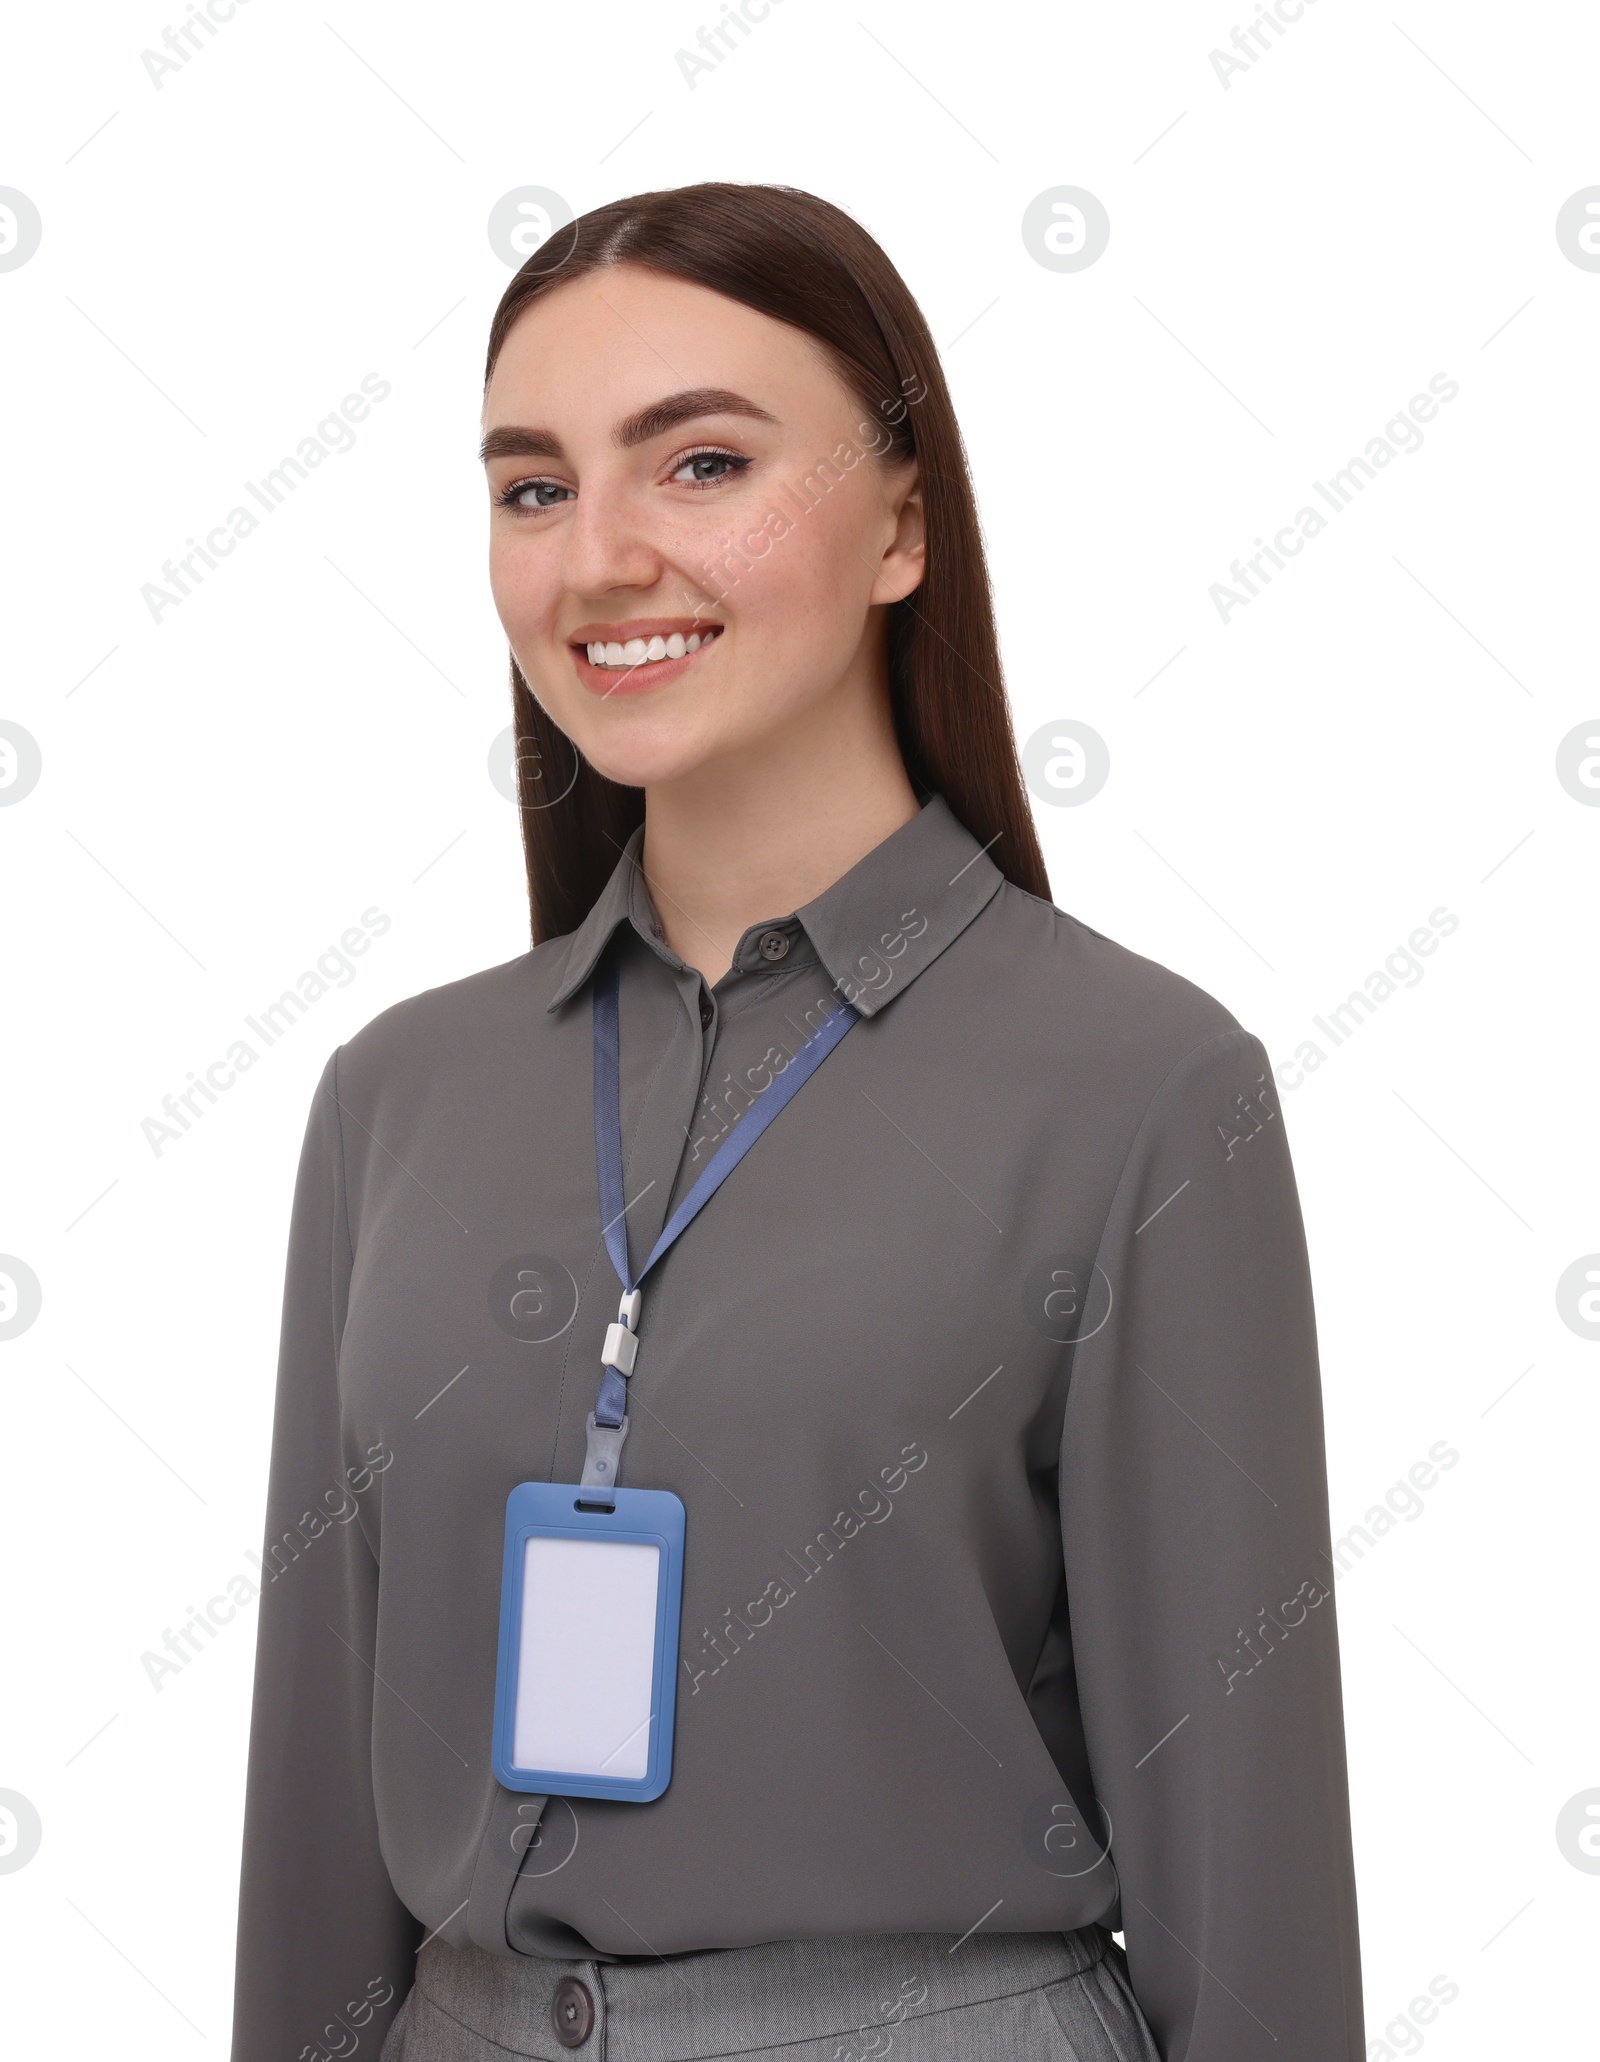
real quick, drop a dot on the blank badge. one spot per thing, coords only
(587, 1673)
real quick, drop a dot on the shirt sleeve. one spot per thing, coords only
(325, 1947)
(1194, 1509)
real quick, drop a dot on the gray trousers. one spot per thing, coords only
(918, 1997)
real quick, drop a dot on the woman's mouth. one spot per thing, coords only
(647, 656)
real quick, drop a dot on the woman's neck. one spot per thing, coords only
(761, 833)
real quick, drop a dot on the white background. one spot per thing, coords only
(1292, 256)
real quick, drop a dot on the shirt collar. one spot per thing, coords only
(623, 899)
(889, 918)
(874, 930)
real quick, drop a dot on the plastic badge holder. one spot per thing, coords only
(588, 1664)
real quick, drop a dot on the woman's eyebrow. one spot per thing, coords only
(685, 407)
(512, 441)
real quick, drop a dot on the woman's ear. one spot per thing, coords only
(903, 563)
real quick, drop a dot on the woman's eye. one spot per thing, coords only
(532, 494)
(698, 469)
(705, 468)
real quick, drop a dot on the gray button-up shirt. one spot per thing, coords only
(989, 1381)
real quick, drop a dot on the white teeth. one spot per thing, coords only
(639, 651)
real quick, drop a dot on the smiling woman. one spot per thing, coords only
(635, 1336)
(784, 472)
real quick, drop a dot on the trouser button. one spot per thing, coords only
(572, 2010)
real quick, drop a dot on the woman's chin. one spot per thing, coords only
(645, 763)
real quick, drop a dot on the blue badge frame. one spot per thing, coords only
(642, 1517)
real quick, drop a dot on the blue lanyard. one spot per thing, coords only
(621, 1342)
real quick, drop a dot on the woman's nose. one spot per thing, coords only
(608, 543)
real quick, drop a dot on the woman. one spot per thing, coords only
(987, 1379)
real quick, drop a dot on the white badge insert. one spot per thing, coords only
(583, 1704)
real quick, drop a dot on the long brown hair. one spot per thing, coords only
(794, 257)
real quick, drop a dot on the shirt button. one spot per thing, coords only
(775, 945)
(707, 1011)
(572, 2012)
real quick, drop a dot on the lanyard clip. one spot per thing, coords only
(621, 1347)
(610, 1417)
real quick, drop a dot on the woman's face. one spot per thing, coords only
(665, 464)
